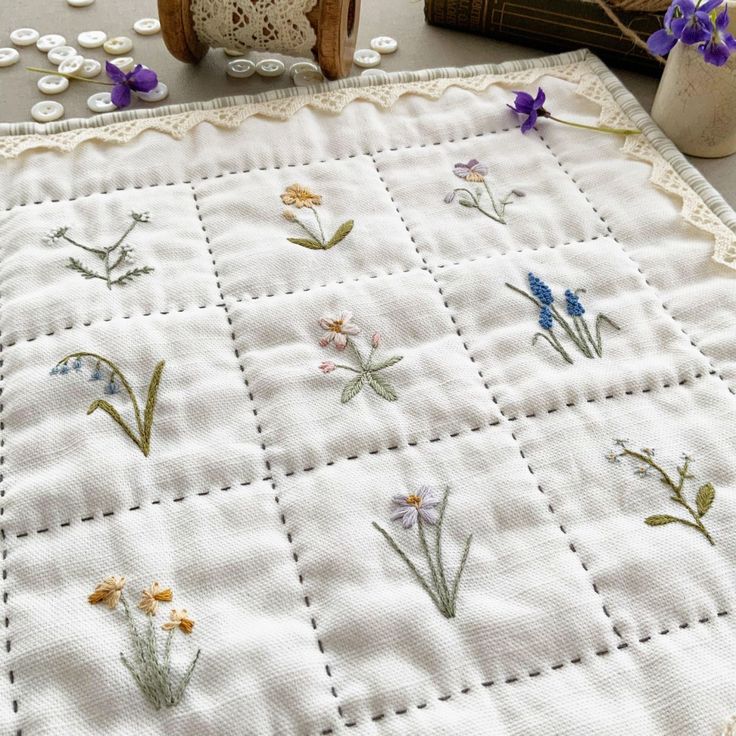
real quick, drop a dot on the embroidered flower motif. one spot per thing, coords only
(108, 592)
(301, 197)
(533, 108)
(178, 619)
(114, 379)
(138, 80)
(575, 327)
(645, 462)
(340, 330)
(422, 504)
(112, 257)
(150, 665)
(418, 509)
(152, 596)
(474, 172)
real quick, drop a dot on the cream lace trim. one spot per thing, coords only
(694, 209)
(280, 26)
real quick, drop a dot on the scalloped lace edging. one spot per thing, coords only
(694, 210)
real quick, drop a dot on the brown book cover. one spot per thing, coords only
(557, 25)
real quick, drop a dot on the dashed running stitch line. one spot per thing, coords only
(681, 382)
(223, 174)
(243, 484)
(636, 264)
(538, 672)
(282, 516)
(495, 401)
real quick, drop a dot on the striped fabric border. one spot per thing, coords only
(623, 97)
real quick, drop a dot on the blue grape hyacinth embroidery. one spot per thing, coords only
(572, 325)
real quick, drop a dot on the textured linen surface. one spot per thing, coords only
(257, 500)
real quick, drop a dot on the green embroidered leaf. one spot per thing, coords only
(466, 203)
(660, 520)
(381, 387)
(87, 273)
(128, 276)
(352, 389)
(340, 234)
(704, 499)
(306, 243)
(387, 363)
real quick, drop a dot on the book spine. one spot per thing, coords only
(557, 25)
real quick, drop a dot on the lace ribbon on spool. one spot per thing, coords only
(279, 26)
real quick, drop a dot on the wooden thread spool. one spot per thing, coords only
(335, 23)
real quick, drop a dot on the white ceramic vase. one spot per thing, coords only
(695, 104)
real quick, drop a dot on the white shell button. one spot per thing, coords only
(91, 39)
(147, 26)
(158, 93)
(71, 65)
(52, 84)
(118, 45)
(91, 68)
(50, 41)
(241, 68)
(9, 56)
(308, 77)
(367, 58)
(302, 66)
(47, 111)
(101, 102)
(270, 67)
(124, 63)
(373, 73)
(59, 53)
(80, 3)
(384, 44)
(24, 36)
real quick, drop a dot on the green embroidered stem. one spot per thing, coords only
(319, 225)
(704, 497)
(551, 338)
(442, 596)
(583, 339)
(595, 128)
(602, 318)
(144, 424)
(112, 257)
(578, 341)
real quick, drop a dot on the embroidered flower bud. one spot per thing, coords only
(376, 339)
(178, 619)
(327, 366)
(63, 369)
(141, 216)
(112, 387)
(108, 591)
(414, 506)
(53, 235)
(151, 596)
(77, 364)
(289, 215)
(449, 197)
(573, 305)
(545, 318)
(54, 371)
(540, 290)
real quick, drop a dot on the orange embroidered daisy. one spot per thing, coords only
(108, 591)
(151, 596)
(178, 619)
(300, 196)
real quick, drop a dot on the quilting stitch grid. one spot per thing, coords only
(464, 442)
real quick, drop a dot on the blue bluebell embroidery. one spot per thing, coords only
(574, 325)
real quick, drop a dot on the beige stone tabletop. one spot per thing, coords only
(420, 46)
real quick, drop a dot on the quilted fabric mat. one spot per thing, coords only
(361, 412)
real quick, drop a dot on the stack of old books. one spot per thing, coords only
(559, 24)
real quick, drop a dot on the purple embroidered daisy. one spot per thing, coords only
(532, 107)
(420, 505)
(474, 170)
(139, 80)
(718, 48)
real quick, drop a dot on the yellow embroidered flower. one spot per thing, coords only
(151, 596)
(108, 591)
(289, 215)
(300, 196)
(179, 620)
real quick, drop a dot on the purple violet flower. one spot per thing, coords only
(415, 506)
(694, 24)
(661, 42)
(139, 80)
(718, 48)
(474, 170)
(525, 104)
